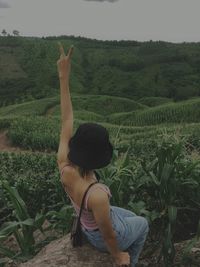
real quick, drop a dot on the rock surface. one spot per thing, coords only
(61, 253)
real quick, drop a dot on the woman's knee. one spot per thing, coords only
(144, 224)
(138, 224)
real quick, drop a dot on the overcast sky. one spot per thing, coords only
(142, 20)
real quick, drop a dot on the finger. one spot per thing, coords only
(62, 52)
(70, 51)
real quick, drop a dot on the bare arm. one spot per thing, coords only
(65, 100)
(64, 66)
(100, 206)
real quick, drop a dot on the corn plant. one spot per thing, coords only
(61, 220)
(118, 175)
(165, 179)
(22, 228)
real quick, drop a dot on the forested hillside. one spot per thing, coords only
(129, 69)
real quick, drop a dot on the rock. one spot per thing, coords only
(61, 253)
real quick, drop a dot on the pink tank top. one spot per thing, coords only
(87, 218)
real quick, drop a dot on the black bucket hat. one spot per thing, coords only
(90, 147)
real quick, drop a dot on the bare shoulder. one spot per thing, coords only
(68, 172)
(99, 194)
(98, 198)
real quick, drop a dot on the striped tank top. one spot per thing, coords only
(87, 219)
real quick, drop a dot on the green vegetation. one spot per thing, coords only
(36, 177)
(102, 104)
(185, 111)
(134, 90)
(29, 108)
(23, 228)
(40, 133)
(154, 101)
(127, 69)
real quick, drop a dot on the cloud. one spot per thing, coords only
(111, 1)
(4, 5)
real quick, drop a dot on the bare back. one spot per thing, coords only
(77, 185)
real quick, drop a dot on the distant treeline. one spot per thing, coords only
(128, 69)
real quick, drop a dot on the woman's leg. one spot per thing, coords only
(135, 234)
(137, 231)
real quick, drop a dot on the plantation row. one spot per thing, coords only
(101, 105)
(186, 111)
(109, 109)
(42, 133)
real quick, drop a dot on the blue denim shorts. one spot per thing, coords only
(120, 226)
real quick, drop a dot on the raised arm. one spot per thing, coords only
(64, 66)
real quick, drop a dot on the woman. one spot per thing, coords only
(106, 227)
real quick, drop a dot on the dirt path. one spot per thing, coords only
(50, 111)
(6, 145)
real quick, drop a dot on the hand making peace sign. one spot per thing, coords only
(64, 63)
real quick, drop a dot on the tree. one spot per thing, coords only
(15, 32)
(4, 32)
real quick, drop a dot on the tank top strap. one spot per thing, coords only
(101, 186)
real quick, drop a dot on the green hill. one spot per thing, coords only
(102, 104)
(154, 101)
(127, 69)
(34, 107)
(185, 111)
